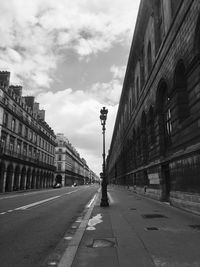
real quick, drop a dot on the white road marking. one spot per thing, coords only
(94, 221)
(110, 198)
(37, 203)
(29, 193)
(91, 201)
(69, 254)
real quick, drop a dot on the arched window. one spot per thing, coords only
(149, 58)
(160, 26)
(13, 125)
(137, 88)
(134, 148)
(197, 38)
(164, 117)
(130, 107)
(144, 137)
(180, 88)
(151, 125)
(138, 145)
(174, 5)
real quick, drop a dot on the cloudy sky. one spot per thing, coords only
(72, 56)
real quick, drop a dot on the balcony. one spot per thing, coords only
(6, 152)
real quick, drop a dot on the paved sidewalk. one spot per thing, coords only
(138, 232)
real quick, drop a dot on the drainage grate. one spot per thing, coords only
(151, 228)
(103, 243)
(153, 215)
(132, 208)
(195, 226)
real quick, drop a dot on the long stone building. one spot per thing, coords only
(156, 139)
(70, 167)
(27, 143)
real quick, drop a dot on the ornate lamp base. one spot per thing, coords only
(104, 203)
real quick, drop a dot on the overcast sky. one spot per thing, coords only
(72, 56)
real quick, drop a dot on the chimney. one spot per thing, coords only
(17, 89)
(29, 101)
(41, 114)
(4, 78)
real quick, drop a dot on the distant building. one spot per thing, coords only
(70, 168)
(156, 138)
(27, 143)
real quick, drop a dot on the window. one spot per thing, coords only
(137, 88)
(130, 107)
(59, 157)
(20, 129)
(167, 120)
(34, 153)
(144, 137)
(197, 38)
(5, 119)
(13, 124)
(12, 143)
(149, 58)
(26, 132)
(30, 151)
(159, 4)
(59, 166)
(3, 140)
(151, 125)
(30, 135)
(180, 88)
(165, 117)
(25, 150)
(174, 5)
(138, 144)
(19, 147)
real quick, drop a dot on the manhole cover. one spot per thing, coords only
(103, 243)
(195, 226)
(153, 215)
(151, 228)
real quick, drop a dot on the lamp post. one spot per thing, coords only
(104, 199)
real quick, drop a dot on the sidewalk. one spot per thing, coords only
(138, 232)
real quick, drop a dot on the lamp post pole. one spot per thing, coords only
(104, 199)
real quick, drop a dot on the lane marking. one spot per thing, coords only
(69, 254)
(29, 193)
(91, 201)
(25, 207)
(36, 203)
(110, 198)
(43, 201)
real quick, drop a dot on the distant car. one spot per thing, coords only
(58, 185)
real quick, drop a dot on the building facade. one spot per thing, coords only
(156, 139)
(27, 143)
(70, 168)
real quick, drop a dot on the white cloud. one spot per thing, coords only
(34, 33)
(118, 72)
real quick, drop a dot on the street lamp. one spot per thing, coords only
(104, 199)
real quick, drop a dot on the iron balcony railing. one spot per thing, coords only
(5, 151)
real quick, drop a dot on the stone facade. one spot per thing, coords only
(156, 138)
(70, 168)
(27, 143)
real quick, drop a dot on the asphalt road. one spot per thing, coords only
(33, 223)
